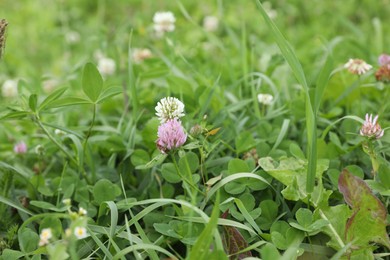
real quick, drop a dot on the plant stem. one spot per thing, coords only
(73, 160)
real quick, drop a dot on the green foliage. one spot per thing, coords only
(369, 217)
(88, 168)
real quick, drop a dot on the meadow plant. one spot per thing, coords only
(117, 176)
(357, 66)
(170, 135)
(210, 23)
(163, 22)
(139, 55)
(106, 66)
(10, 88)
(169, 108)
(20, 148)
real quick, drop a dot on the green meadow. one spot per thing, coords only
(194, 129)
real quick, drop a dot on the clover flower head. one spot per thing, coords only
(272, 13)
(45, 236)
(169, 108)
(163, 22)
(20, 148)
(67, 202)
(371, 128)
(210, 23)
(265, 99)
(10, 88)
(72, 37)
(82, 211)
(384, 59)
(170, 135)
(139, 55)
(383, 73)
(357, 66)
(106, 66)
(80, 232)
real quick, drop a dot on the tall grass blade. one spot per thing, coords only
(296, 67)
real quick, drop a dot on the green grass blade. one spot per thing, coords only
(201, 249)
(296, 67)
(282, 133)
(322, 81)
(285, 48)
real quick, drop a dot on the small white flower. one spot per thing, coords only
(59, 132)
(164, 22)
(72, 37)
(82, 211)
(45, 236)
(10, 88)
(210, 23)
(169, 108)
(265, 99)
(80, 232)
(272, 13)
(357, 66)
(106, 66)
(67, 202)
(139, 55)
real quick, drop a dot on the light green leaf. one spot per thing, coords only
(92, 82)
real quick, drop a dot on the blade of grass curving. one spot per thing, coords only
(201, 248)
(153, 255)
(296, 67)
(14, 205)
(327, 129)
(99, 243)
(253, 246)
(114, 217)
(247, 216)
(230, 178)
(131, 240)
(112, 243)
(130, 249)
(281, 135)
(221, 222)
(162, 202)
(322, 81)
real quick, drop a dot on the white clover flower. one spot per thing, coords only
(106, 66)
(82, 211)
(210, 23)
(265, 99)
(272, 13)
(80, 232)
(67, 202)
(45, 236)
(59, 132)
(163, 22)
(357, 66)
(72, 37)
(371, 128)
(169, 108)
(10, 88)
(139, 55)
